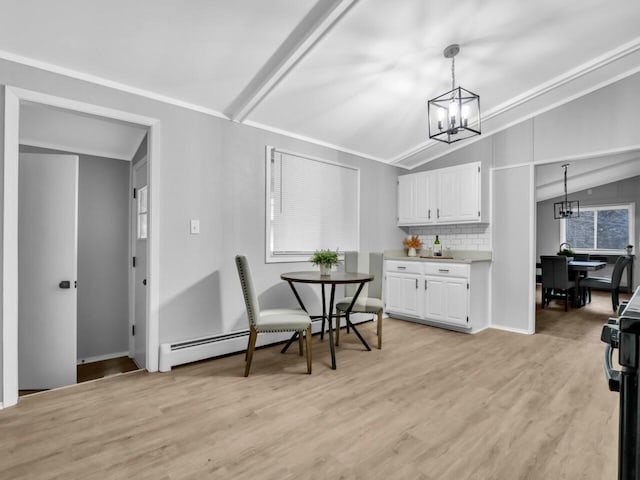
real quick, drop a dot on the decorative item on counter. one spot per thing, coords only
(413, 244)
(629, 249)
(325, 259)
(565, 249)
(437, 247)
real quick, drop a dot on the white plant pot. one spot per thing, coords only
(325, 270)
(411, 252)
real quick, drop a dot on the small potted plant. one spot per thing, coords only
(629, 249)
(325, 259)
(413, 244)
(566, 251)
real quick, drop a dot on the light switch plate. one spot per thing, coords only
(194, 227)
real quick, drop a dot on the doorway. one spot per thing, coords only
(13, 99)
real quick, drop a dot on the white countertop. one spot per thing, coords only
(459, 256)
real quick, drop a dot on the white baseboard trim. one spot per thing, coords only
(481, 329)
(511, 329)
(193, 350)
(99, 358)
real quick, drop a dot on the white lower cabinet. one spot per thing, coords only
(445, 294)
(403, 293)
(446, 299)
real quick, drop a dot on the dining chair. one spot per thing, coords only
(555, 279)
(370, 298)
(271, 320)
(604, 283)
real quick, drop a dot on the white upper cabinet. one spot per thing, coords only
(416, 199)
(444, 196)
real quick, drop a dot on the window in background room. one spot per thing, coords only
(312, 204)
(601, 229)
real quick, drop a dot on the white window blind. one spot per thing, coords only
(312, 204)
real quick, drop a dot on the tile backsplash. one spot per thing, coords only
(455, 237)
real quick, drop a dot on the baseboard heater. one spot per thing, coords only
(187, 351)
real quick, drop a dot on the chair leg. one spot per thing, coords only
(380, 330)
(300, 343)
(544, 297)
(252, 345)
(338, 322)
(614, 299)
(322, 328)
(308, 336)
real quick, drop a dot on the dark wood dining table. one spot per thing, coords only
(333, 279)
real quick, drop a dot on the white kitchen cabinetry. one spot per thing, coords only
(451, 295)
(402, 287)
(445, 196)
(417, 199)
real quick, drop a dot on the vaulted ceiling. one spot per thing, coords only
(351, 74)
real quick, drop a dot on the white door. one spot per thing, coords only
(47, 258)
(140, 238)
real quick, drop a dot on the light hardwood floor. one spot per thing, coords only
(432, 404)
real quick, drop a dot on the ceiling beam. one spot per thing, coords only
(317, 23)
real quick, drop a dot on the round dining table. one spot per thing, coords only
(333, 279)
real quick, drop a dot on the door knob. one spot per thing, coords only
(65, 284)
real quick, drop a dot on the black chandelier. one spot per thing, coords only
(455, 115)
(566, 208)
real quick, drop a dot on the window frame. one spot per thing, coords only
(299, 256)
(630, 207)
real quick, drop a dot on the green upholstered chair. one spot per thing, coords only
(370, 298)
(272, 320)
(603, 283)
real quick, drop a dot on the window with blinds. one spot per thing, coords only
(312, 204)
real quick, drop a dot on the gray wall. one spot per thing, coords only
(214, 170)
(548, 231)
(103, 254)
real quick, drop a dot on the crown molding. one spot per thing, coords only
(314, 141)
(123, 87)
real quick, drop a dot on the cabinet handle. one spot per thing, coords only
(425, 283)
(443, 270)
(401, 268)
(438, 213)
(416, 283)
(429, 217)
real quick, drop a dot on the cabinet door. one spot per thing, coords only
(468, 193)
(448, 195)
(425, 197)
(434, 298)
(402, 294)
(459, 193)
(446, 299)
(406, 199)
(456, 300)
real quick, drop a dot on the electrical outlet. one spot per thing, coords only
(194, 227)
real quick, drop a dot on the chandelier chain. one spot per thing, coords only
(453, 73)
